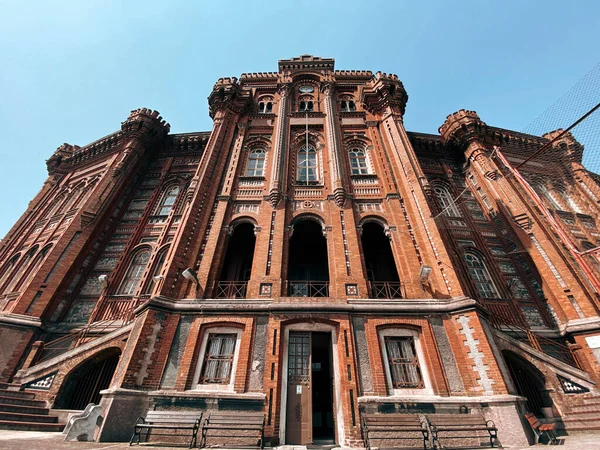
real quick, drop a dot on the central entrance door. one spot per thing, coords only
(309, 415)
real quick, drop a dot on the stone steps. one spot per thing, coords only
(25, 417)
(10, 400)
(30, 426)
(21, 411)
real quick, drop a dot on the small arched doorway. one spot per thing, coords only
(380, 265)
(308, 266)
(83, 385)
(529, 382)
(237, 265)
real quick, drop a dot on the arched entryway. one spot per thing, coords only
(308, 266)
(529, 382)
(83, 385)
(380, 265)
(237, 265)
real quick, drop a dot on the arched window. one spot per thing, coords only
(358, 162)
(134, 272)
(307, 165)
(481, 276)
(8, 268)
(35, 265)
(265, 107)
(10, 286)
(256, 163)
(447, 203)
(306, 106)
(348, 106)
(158, 265)
(166, 204)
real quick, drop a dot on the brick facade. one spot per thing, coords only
(133, 231)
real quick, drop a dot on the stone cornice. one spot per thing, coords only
(20, 320)
(279, 305)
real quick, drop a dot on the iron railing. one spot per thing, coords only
(306, 288)
(231, 289)
(112, 312)
(551, 347)
(386, 289)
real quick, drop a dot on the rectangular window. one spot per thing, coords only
(218, 359)
(403, 362)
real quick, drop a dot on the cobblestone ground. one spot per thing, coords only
(32, 440)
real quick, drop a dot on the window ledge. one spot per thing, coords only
(370, 176)
(311, 184)
(210, 394)
(251, 178)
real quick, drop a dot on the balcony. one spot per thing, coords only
(231, 289)
(305, 288)
(386, 289)
(117, 307)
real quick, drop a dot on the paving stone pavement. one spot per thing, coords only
(33, 440)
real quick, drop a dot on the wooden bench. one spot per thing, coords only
(397, 429)
(462, 428)
(232, 425)
(167, 420)
(541, 429)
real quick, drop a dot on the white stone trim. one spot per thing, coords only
(428, 389)
(236, 354)
(336, 369)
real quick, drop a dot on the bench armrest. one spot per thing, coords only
(140, 420)
(490, 423)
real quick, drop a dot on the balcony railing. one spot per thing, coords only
(231, 289)
(386, 289)
(305, 288)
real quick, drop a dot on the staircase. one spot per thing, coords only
(583, 416)
(21, 411)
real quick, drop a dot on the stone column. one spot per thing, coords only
(279, 151)
(337, 183)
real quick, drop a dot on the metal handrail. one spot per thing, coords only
(543, 344)
(231, 289)
(308, 288)
(386, 289)
(80, 336)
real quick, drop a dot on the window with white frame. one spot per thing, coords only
(168, 201)
(308, 165)
(358, 162)
(256, 163)
(403, 362)
(218, 358)
(447, 203)
(481, 276)
(134, 273)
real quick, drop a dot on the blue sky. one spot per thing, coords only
(72, 70)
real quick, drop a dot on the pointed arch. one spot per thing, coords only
(12, 282)
(167, 200)
(8, 269)
(135, 271)
(480, 274)
(33, 267)
(447, 203)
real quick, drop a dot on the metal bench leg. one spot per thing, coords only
(136, 433)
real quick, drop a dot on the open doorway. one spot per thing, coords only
(382, 274)
(237, 266)
(310, 384)
(308, 266)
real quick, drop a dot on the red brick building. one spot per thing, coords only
(309, 258)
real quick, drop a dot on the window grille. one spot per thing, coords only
(358, 162)
(134, 273)
(256, 163)
(481, 276)
(403, 362)
(168, 201)
(218, 359)
(299, 357)
(307, 165)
